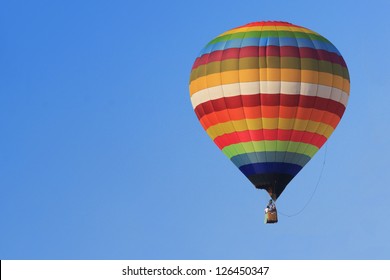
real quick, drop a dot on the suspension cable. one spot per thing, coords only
(314, 191)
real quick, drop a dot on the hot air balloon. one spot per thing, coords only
(269, 94)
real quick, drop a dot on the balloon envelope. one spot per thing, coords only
(269, 94)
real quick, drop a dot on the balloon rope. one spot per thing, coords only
(314, 191)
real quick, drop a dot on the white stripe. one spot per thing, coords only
(268, 87)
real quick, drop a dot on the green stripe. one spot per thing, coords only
(263, 34)
(269, 62)
(269, 146)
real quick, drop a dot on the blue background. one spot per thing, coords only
(102, 156)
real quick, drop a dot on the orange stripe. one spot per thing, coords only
(269, 74)
(269, 112)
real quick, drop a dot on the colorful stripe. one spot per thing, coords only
(226, 43)
(275, 62)
(271, 100)
(267, 112)
(268, 146)
(288, 157)
(270, 51)
(270, 167)
(269, 74)
(267, 88)
(269, 124)
(269, 94)
(270, 134)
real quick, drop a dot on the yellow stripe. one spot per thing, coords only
(268, 28)
(270, 62)
(269, 123)
(269, 74)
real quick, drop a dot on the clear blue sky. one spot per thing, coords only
(102, 157)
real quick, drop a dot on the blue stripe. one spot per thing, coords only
(270, 41)
(262, 157)
(270, 167)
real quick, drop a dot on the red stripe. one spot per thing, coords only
(268, 23)
(272, 135)
(287, 100)
(253, 51)
(261, 112)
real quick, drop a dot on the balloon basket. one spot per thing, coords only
(271, 217)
